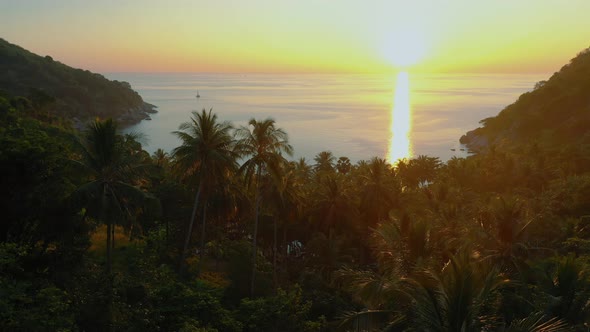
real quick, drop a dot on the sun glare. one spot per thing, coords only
(404, 48)
(401, 120)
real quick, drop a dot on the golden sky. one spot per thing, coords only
(507, 36)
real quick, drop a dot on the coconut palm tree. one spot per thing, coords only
(303, 170)
(378, 195)
(418, 171)
(328, 252)
(454, 298)
(160, 158)
(264, 144)
(406, 248)
(334, 207)
(206, 155)
(111, 172)
(380, 191)
(324, 162)
(505, 223)
(568, 284)
(285, 196)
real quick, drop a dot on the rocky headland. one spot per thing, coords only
(66, 92)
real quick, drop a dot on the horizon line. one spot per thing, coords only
(381, 73)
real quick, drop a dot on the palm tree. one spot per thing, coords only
(455, 298)
(328, 252)
(418, 171)
(380, 193)
(324, 162)
(406, 248)
(568, 285)
(285, 196)
(110, 170)
(160, 158)
(206, 155)
(334, 206)
(460, 296)
(461, 171)
(505, 224)
(264, 144)
(303, 170)
(343, 165)
(381, 292)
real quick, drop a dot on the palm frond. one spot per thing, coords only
(374, 289)
(368, 320)
(538, 323)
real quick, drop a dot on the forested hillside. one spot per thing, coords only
(555, 113)
(67, 92)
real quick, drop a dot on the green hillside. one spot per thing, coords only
(76, 94)
(556, 112)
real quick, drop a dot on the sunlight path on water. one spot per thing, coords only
(401, 120)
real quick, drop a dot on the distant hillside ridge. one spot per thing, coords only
(75, 94)
(555, 112)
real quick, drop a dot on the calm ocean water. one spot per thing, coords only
(350, 115)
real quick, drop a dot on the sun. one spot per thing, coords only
(404, 48)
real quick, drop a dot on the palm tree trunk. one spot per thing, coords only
(167, 233)
(109, 231)
(202, 242)
(254, 248)
(131, 232)
(254, 251)
(190, 227)
(109, 248)
(362, 253)
(113, 236)
(274, 256)
(109, 269)
(285, 246)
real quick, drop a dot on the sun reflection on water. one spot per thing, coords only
(401, 120)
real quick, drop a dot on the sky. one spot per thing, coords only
(461, 36)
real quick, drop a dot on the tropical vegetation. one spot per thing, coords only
(228, 233)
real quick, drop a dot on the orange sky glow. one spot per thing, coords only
(301, 36)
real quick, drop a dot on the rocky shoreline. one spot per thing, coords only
(129, 118)
(135, 115)
(474, 140)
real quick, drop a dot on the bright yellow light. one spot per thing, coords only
(401, 120)
(404, 48)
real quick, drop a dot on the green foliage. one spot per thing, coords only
(34, 170)
(283, 312)
(176, 304)
(566, 283)
(27, 301)
(554, 114)
(64, 91)
(239, 260)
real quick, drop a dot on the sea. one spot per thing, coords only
(359, 116)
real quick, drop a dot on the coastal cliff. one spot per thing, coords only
(75, 94)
